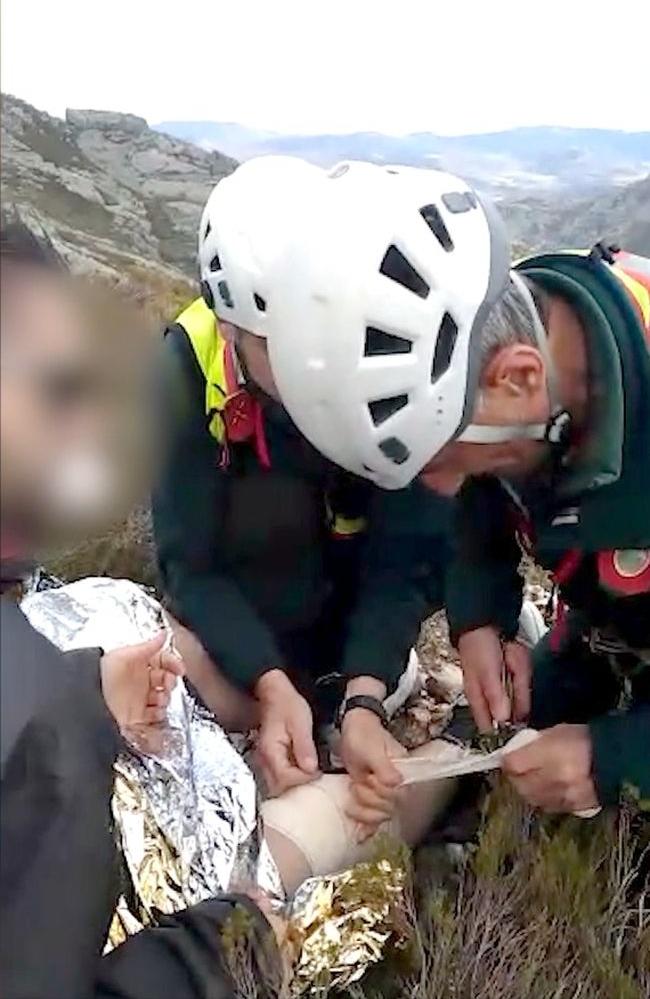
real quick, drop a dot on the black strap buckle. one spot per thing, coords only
(602, 252)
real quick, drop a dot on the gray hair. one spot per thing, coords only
(509, 321)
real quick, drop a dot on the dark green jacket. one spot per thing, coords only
(248, 555)
(600, 504)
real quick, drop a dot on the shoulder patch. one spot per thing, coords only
(625, 571)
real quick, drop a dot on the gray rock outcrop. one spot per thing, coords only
(113, 194)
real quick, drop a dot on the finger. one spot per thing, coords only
(478, 703)
(364, 814)
(162, 680)
(582, 797)
(364, 832)
(384, 771)
(389, 794)
(279, 770)
(518, 762)
(494, 693)
(518, 664)
(154, 715)
(302, 746)
(365, 797)
(158, 699)
(280, 781)
(145, 651)
(172, 663)
(537, 791)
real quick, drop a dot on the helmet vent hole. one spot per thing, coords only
(208, 230)
(396, 267)
(215, 263)
(259, 302)
(382, 409)
(457, 202)
(226, 297)
(445, 343)
(379, 343)
(395, 450)
(436, 223)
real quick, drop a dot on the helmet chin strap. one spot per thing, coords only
(555, 430)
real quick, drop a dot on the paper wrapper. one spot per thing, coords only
(185, 802)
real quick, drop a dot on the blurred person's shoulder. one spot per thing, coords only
(29, 672)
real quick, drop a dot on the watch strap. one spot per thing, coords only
(368, 703)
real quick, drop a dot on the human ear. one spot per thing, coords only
(516, 371)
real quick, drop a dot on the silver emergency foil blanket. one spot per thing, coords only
(184, 780)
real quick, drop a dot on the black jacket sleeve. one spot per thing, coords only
(483, 584)
(198, 953)
(57, 857)
(188, 508)
(58, 861)
(620, 754)
(402, 580)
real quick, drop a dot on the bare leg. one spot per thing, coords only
(234, 709)
(290, 860)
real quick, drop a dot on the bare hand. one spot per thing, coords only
(137, 681)
(285, 746)
(486, 663)
(367, 750)
(554, 771)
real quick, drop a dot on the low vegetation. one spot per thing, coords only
(542, 908)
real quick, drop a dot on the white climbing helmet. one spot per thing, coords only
(380, 292)
(241, 230)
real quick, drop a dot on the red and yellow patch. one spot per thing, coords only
(625, 571)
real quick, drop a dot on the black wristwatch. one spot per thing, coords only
(372, 704)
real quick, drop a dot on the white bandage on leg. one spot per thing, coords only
(313, 818)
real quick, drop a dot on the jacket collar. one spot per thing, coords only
(607, 484)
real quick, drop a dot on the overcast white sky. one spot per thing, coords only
(336, 65)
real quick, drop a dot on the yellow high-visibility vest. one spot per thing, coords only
(209, 346)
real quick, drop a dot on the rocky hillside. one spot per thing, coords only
(113, 193)
(617, 215)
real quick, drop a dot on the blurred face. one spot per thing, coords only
(58, 471)
(512, 392)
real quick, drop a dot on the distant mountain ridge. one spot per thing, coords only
(543, 159)
(119, 196)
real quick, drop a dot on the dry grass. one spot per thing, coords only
(125, 551)
(546, 909)
(160, 297)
